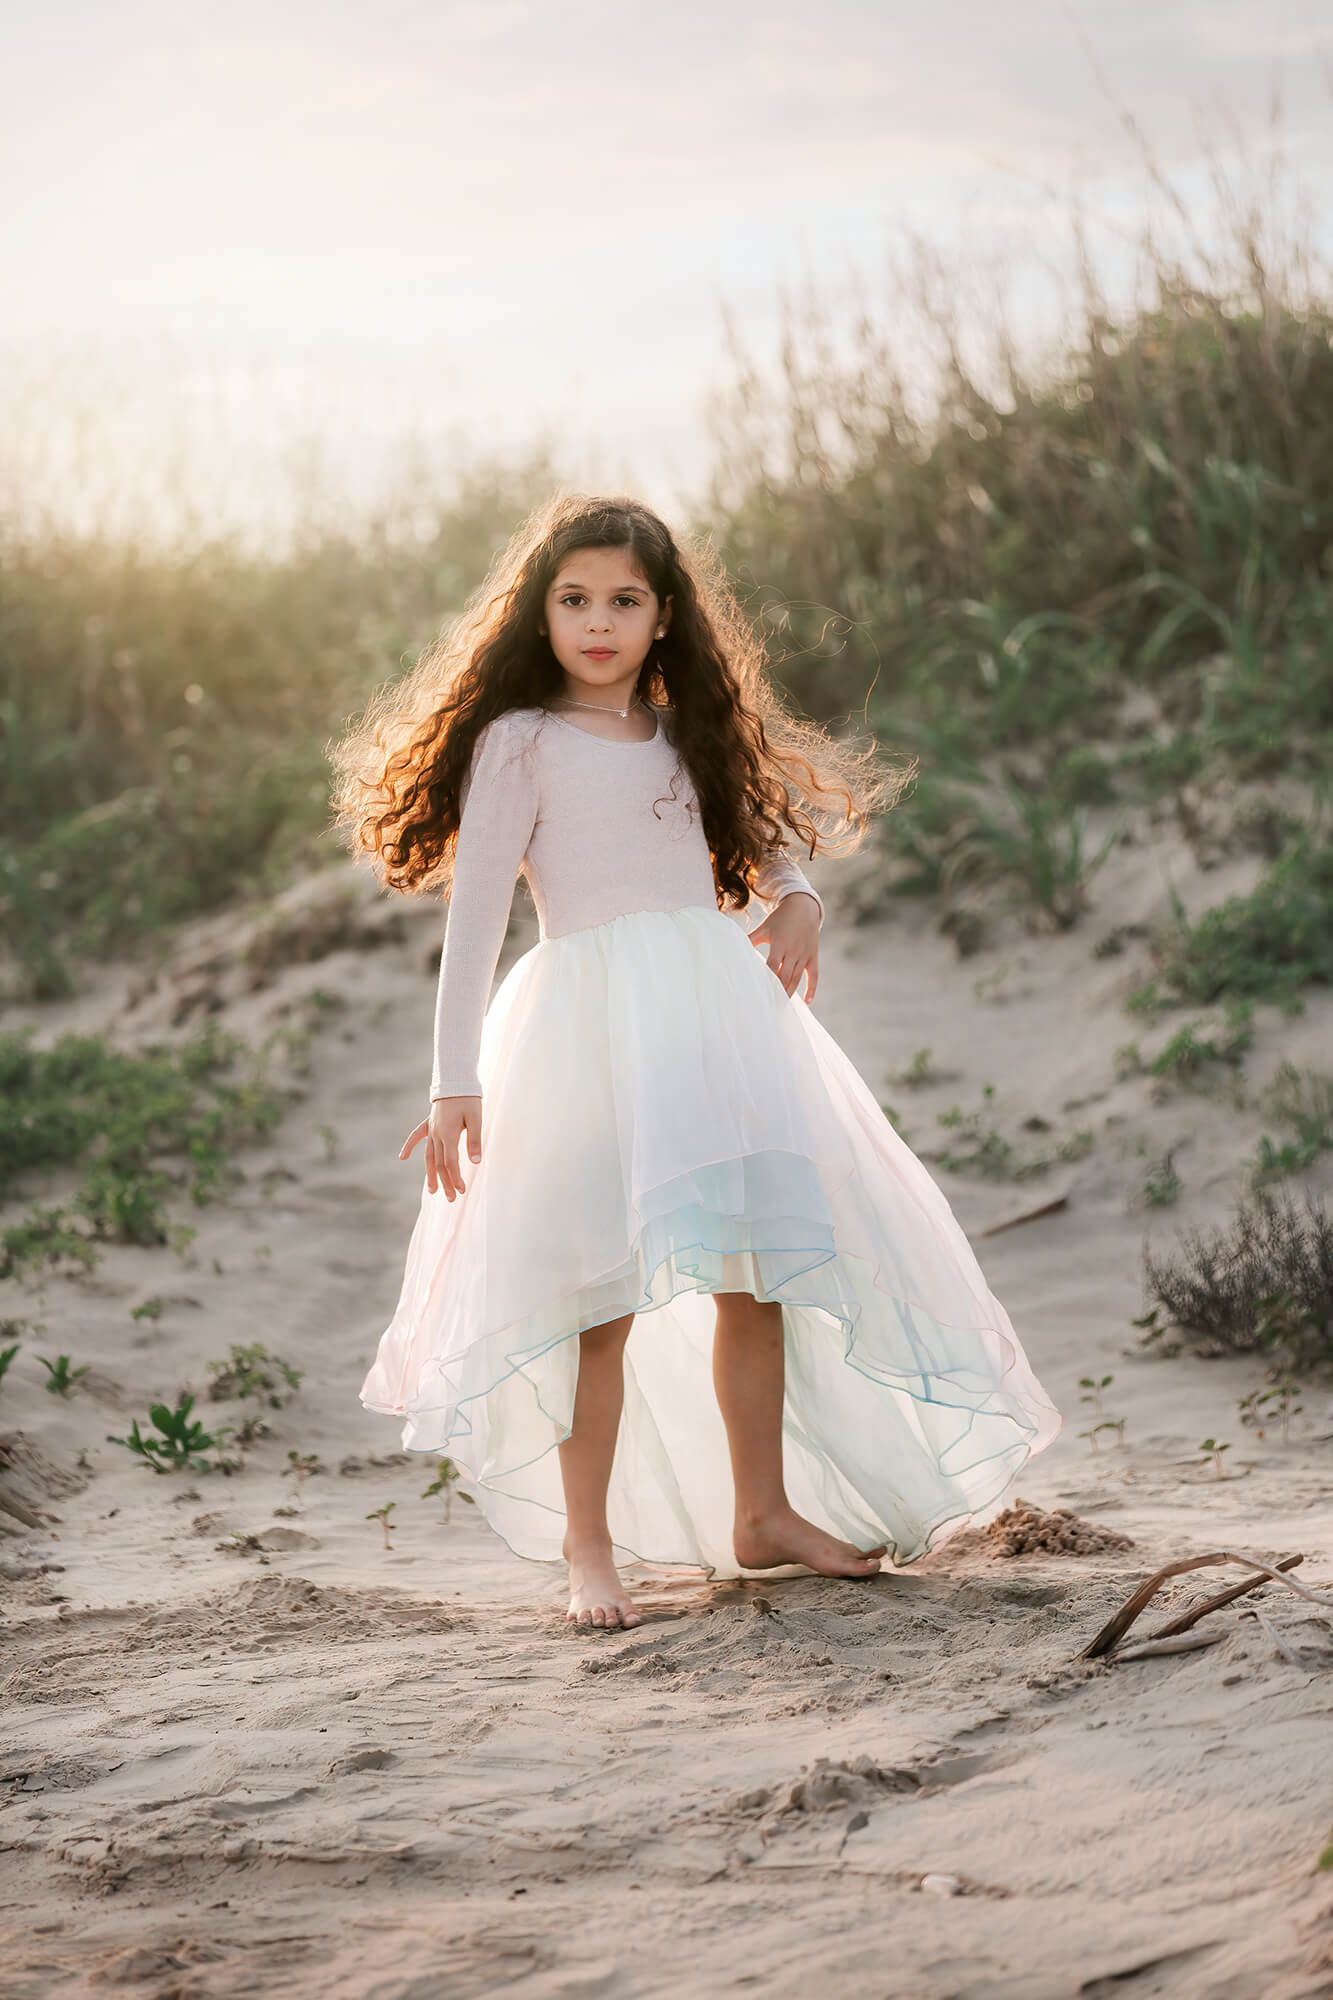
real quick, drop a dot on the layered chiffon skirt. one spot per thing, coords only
(661, 1121)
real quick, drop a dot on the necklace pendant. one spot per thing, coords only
(602, 707)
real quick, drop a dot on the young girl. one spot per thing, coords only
(694, 1302)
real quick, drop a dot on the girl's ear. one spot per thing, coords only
(664, 620)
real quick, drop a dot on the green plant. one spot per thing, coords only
(1264, 946)
(150, 1309)
(381, 1514)
(42, 1240)
(300, 1467)
(1286, 1395)
(447, 1474)
(997, 830)
(251, 1371)
(1196, 1051)
(6, 1357)
(1210, 1448)
(1161, 1183)
(1303, 1101)
(61, 1379)
(1092, 1387)
(979, 1149)
(137, 1124)
(920, 1072)
(178, 1442)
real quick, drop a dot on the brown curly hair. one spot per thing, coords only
(755, 766)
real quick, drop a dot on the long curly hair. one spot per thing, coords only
(756, 767)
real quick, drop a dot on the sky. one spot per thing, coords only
(241, 231)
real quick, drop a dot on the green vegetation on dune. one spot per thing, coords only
(1159, 515)
(164, 714)
(137, 1125)
(1264, 946)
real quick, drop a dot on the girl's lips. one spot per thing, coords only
(598, 653)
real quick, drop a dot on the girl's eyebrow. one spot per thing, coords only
(621, 589)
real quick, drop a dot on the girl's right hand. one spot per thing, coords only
(449, 1118)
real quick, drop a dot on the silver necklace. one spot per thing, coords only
(604, 707)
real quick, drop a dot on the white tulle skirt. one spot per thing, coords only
(662, 1121)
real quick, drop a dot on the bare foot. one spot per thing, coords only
(787, 1538)
(596, 1594)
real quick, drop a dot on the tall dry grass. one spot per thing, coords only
(997, 545)
(986, 552)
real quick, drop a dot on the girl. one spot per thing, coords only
(695, 1302)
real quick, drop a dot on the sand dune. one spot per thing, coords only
(303, 1763)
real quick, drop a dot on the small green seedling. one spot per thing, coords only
(1285, 1395)
(180, 1442)
(300, 1467)
(447, 1475)
(919, 1072)
(1105, 1425)
(329, 1134)
(1210, 1448)
(60, 1377)
(381, 1514)
(6, 1356)
(150, 1309)
(1093, 1391)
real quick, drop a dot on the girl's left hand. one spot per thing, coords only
(791, 932)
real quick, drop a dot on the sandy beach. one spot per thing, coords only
(249, 1749)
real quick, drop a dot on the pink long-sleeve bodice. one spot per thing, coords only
(598, 827)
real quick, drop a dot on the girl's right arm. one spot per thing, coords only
(498, 813)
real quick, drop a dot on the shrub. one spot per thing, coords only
(1262, 1283)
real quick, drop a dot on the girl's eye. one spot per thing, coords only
(576, 597)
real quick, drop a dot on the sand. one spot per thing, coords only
(302, 1763)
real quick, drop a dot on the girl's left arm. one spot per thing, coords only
(790, 928)
(777, 876)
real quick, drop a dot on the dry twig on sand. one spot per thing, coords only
(1114, 1630)
(1189, 1642)
(1271, 1630)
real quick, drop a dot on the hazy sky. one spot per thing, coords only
(508, 215)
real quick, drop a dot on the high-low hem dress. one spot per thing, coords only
(661, 1121)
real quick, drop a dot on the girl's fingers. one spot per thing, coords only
(472, 1126)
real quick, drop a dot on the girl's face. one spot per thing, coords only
(602, 617)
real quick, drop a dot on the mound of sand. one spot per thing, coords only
(1027, 1530)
